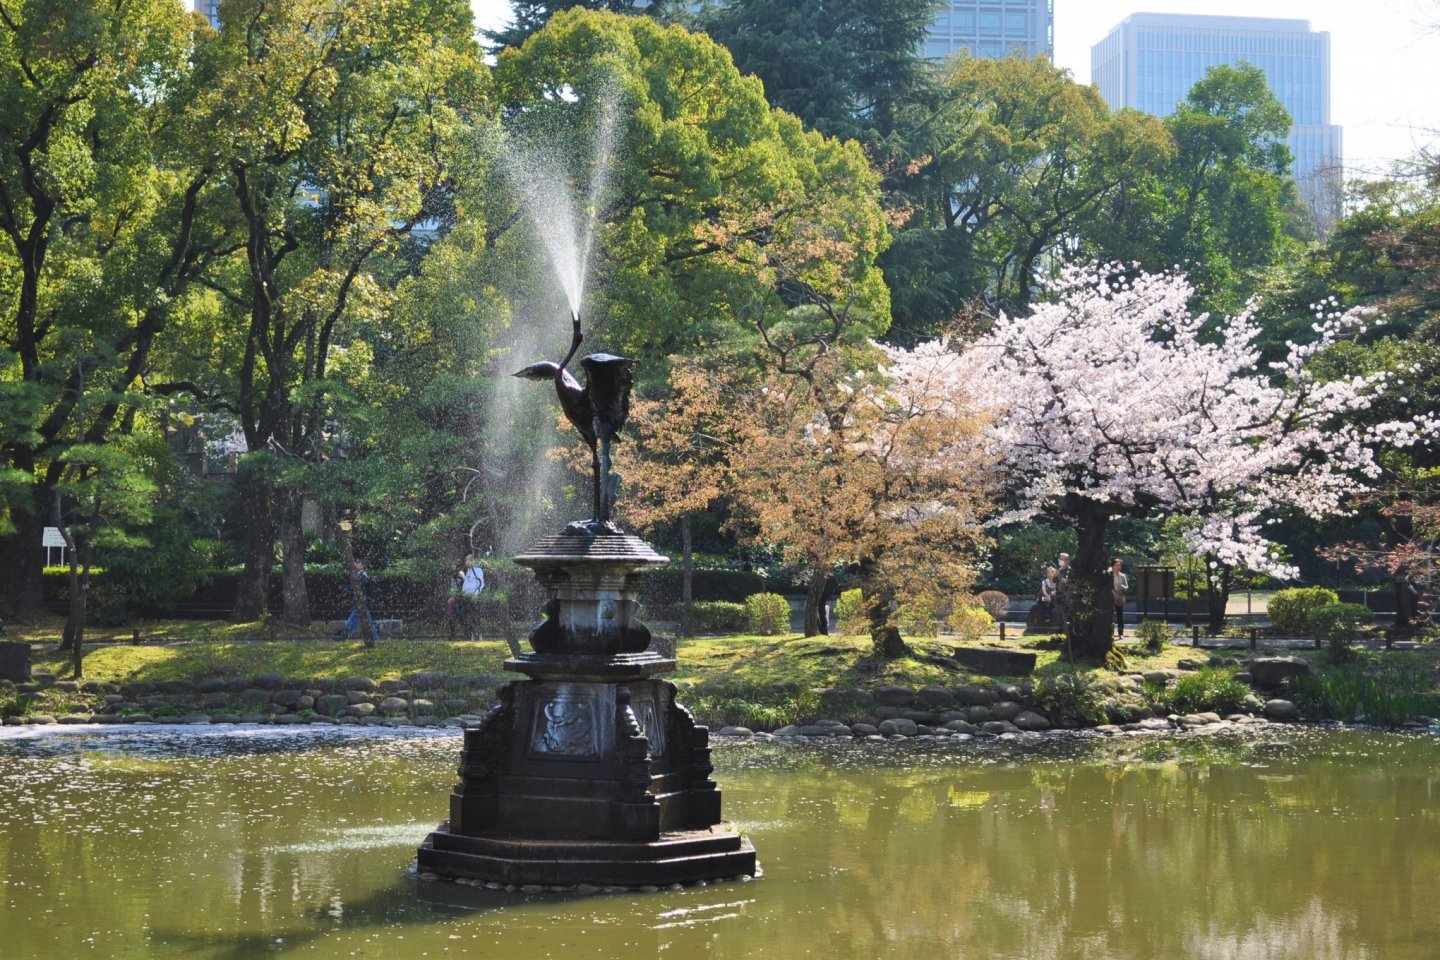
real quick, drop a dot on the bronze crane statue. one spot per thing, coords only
(597, 410)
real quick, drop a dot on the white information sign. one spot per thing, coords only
(53, 537)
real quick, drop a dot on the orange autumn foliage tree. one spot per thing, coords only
(675, 468)
(830, 459)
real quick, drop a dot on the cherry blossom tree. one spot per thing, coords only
(1113, 399)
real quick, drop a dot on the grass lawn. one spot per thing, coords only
(215, 648)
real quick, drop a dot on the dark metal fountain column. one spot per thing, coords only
(588, 771)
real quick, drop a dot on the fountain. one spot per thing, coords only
(589, 771)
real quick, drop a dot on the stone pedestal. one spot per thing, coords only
(588, 771)
(15, 662)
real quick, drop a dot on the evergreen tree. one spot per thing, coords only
(844, 68)
(531, 15)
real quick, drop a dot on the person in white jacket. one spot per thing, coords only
(472, 583)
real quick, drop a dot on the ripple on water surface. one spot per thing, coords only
(233, 842)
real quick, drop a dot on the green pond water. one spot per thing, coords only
(237, 843)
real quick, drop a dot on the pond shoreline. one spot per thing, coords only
(1158, 730)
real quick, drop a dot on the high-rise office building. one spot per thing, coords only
(1151, 60)
(207, 7)
(993, 28)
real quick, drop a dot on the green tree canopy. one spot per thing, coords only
(1224, 209)
(720, 207)
(1018, 159)
(99, 233)
(844, 68)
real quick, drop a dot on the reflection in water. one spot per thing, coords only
(226, 845)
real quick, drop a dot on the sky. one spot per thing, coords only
(1385, 60)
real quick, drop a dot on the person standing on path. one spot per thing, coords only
(471, 586)
(1049, 588)
(1119, 586)
(366, 589)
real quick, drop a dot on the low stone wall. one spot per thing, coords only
(437, 699)
(422, 699)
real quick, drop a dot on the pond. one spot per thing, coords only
(213, 843)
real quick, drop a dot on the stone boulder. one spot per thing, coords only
(900, 725)
(1273, 671)
(1007, 710)
(730, 731)
(974, 696)
(15, 662)
(1030, 720)
(936, 697)
(996, 661)
(394, 705)
(332, 704)
(1281, 710)
(893, 696)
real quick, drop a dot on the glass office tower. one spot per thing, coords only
(208, 7)
(993, 28)
(1150, 62)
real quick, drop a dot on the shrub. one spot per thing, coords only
(1290, 609)
(1387, 698)
(1068, 700)
(918, 620)
(1338, 625)
(995, 603)
(850, 612)
(1213, 688)
(1153, 633)
(970, 623)
(767, 614)
(719, 616)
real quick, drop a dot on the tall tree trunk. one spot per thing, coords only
(687, 577)
(1221, 581)
(24, 558)
(1092, 608)
(814, 598)
(250, 596)
(879, 598)
(292, 556)
(73, 638)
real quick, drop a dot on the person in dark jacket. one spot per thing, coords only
(366, 588)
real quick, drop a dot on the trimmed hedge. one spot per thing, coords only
(1290, 609)
(404, 595)
(660, 590)
(719, 616)
(394, 595)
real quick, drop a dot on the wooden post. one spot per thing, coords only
(1195, 636)
(1002, 631)
(1254, 638)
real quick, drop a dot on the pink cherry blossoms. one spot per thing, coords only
(1116, 396)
